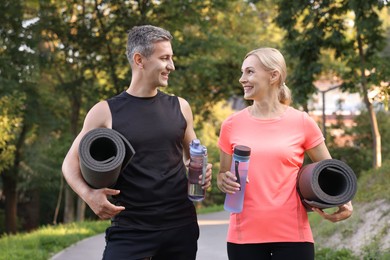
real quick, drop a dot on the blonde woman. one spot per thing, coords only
(273, 223)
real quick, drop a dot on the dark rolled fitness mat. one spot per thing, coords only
(326, 184)
(103, 154)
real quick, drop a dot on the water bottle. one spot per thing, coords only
(198, 164)
(234, 202)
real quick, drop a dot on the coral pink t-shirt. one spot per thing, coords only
(272, 211)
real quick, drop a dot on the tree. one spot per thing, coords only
(11, 122)
(18, 68)
(79, 50)
(315, 26)
(211, 46)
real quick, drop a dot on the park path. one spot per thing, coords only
(211, 243)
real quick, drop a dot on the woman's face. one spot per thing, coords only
(254, 79)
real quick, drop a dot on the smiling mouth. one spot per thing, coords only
(247, 88)
(165, 75)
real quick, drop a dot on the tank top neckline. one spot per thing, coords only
(128, 95)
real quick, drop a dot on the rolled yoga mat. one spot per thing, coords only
(103, 154)
(326, 184)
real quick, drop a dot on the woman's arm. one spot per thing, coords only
(319, 153)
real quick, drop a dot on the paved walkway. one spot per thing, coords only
(211, 243)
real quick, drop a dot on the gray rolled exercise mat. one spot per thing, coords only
(326, 184)
(103, 154)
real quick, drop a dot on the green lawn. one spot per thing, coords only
(46, 241)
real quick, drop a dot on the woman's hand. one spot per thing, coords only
(344, 212)
(227, 182)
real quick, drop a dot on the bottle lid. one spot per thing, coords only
(242, 150)
(196, 148)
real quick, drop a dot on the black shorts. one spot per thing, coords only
(176, 243)
(274, 251)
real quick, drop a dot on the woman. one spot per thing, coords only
(273, 223)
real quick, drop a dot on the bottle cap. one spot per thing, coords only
(242, 150)
(196, 148)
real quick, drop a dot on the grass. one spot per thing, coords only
(374, 184)
(46, 241)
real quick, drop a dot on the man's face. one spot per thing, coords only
(158, 66)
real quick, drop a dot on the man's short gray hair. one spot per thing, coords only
(141, 39)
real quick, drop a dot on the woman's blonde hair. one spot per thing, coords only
(271, 59)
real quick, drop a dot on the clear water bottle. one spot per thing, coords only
(240, 163)
(198, 164)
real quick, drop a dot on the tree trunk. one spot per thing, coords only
(80, 210)
(69, 211)
(29, 211)
(376, 137)
(10, 180)
(11, 201)
(69, 205)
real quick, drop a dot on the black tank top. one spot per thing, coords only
(154, 185)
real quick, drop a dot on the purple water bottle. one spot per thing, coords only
(198, 164)
(240, 163)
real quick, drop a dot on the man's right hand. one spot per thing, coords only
(97, 200)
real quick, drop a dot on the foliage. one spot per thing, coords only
(43, 243)
(373, 184)
(373, 251)
(11, 112)
(208, 134)
(363, 138)
(328, 31)
(209, 52)
(362, 141)
(347, 29)
(311, 27)
(367, 28)
(17, 70)
(331, 254)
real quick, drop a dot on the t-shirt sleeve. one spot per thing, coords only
(224, 140)
(313, 134)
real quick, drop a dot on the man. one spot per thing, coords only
(151, 214)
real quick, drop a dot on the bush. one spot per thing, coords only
(330, 254)
(373, 184)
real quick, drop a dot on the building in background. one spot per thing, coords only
(334, 110)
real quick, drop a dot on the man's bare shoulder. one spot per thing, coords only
(98, 116)
(183, 103)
